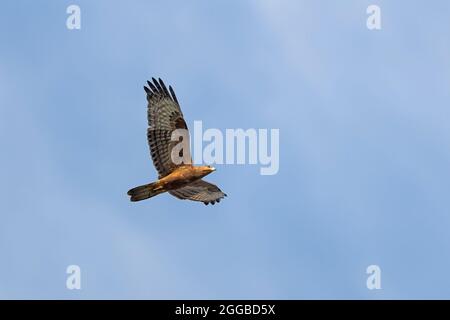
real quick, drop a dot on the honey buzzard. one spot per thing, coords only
(183, 180)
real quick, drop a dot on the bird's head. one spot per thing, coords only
(204, 170)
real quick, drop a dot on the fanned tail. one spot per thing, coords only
(146, 191)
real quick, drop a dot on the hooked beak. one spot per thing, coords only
(212, 169)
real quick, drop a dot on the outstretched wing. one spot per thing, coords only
(199, 190)
(164, 116)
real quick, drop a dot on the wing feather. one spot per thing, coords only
(199, 190)
(164, 116)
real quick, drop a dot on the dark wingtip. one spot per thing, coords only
(156, 83)
(152, 87)
(172, 92)
(147, 90)
(164, 88)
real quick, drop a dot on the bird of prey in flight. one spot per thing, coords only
(182, 180)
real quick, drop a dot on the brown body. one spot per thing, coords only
(183, 176)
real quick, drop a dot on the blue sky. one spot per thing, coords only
(364, 149)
